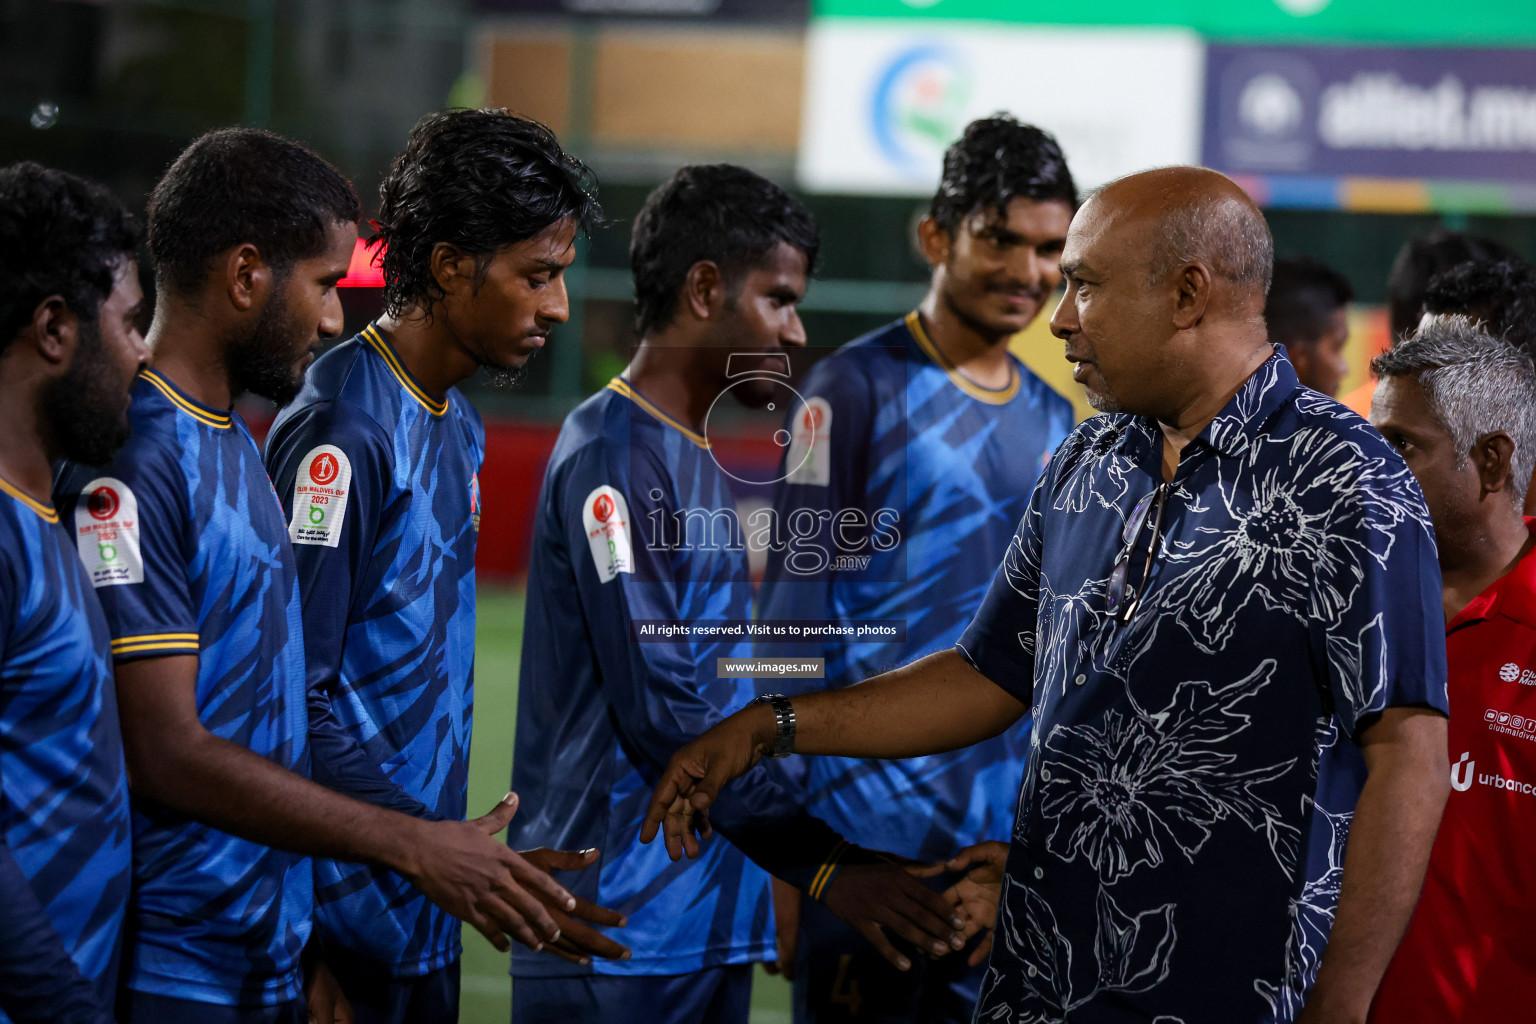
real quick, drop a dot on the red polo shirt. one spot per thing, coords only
(1470, 951)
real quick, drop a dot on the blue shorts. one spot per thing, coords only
(378, 997)
(715, 995)
(145, 1008)
(840, 979)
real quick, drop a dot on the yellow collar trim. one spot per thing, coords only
(375, 338)
(970, 387)
(623, 387)
(46, 512)
(207, 417)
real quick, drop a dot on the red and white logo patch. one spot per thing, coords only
(605, 517)
(320, 497)
(107, 533)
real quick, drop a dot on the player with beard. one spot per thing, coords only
(635, 525)
(378, 462)
(916, 450)
(249, 234)
(69, 298)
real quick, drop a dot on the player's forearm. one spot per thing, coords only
(227, 786)
(338, 762)
(935, 704)
(1389, 844)
(39, 983)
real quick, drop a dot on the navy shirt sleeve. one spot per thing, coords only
(330, 463)
(656, 689)
(1384, 647)
(1000, 641)
(819, 504)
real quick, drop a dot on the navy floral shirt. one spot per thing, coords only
(1181, 826)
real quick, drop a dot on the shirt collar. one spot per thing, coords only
(1512, 595)
(1233, 429)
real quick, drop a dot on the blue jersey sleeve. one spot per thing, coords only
(1000, 641)
(39, 981)
(329, 463)
(149, 606)
(657, 690)
(819, 507)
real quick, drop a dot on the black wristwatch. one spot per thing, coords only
(784, 723)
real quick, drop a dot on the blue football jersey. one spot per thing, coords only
(198, 563)
(65, 859)
(917, 478)
(381, 484)
(636, 532)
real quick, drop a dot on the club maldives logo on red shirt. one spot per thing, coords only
(1513, 673)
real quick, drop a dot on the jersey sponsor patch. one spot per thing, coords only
(320, 497)
(107, 532)
(605, 514)
(474, 501)
(810, 445)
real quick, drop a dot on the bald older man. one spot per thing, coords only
(1223, 606)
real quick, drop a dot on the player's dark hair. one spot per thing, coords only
(717, 212)
(1500, 294)
(238, 186)
(59, 235)
(1304, 295)
(480, 180)
(999, 159)
(1422, 258)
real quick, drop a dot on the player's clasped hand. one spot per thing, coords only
(460, 866)
(887, 897)
(978, 892)
(680, 805)
(578, 942)
(874, 898)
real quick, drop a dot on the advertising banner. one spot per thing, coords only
(1490, 22)
(1467, 114)
(883, 99)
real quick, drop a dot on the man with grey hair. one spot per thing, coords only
(1460, 404)
(1219, 606)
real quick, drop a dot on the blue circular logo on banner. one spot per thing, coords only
(919, 103)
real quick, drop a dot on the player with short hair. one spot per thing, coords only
(1422, 258)
(1460, 405)
(1307, 311)
(1498, 294)
(69, 347)
(249, 233)
(637, 530)
(916, 451)
(377, 462)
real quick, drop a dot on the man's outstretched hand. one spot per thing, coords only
(887, 897)
(461, 868)
(680, 804)
(978, 893)
(578, 943)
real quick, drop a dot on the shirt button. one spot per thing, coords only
(1032, 970)
(1039, 872)
(1080, 680)
(1045, 774)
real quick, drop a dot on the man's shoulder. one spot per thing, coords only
(606, 437)
(1316, 436)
